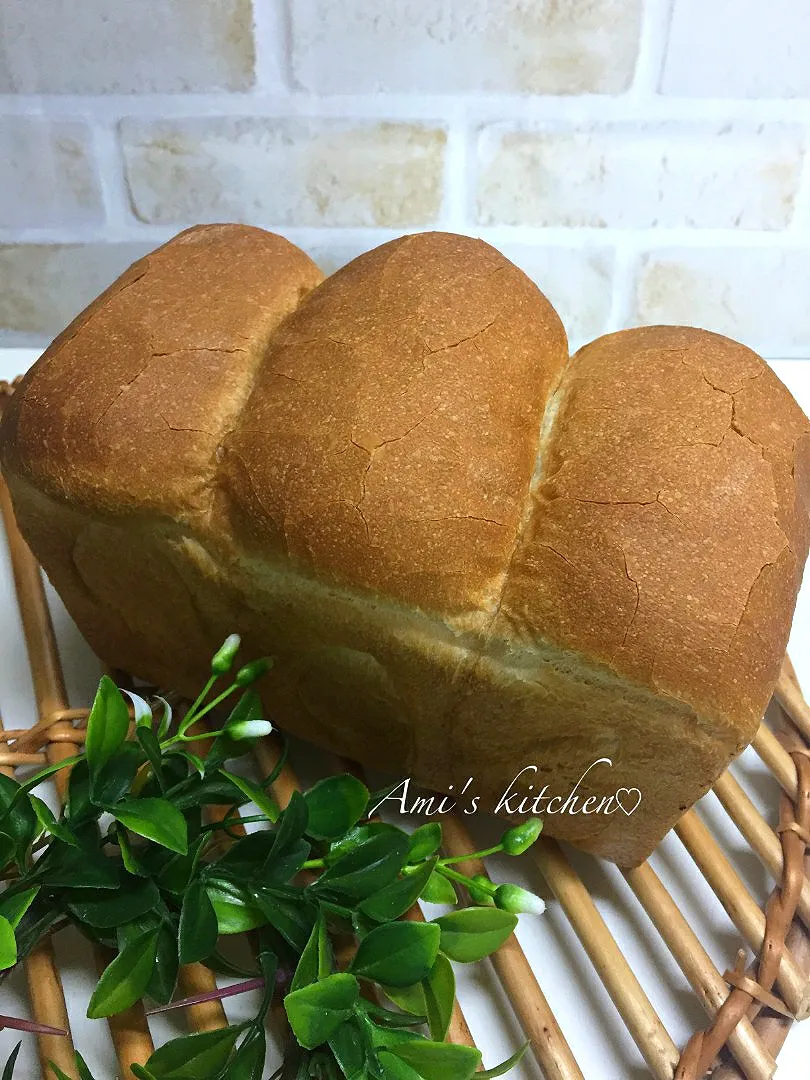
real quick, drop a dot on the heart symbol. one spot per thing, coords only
(630, 793)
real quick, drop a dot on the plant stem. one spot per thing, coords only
(181, 738)
(474, 855)
(190, 717)
(225, 823)
(454, 875)
(217, 700)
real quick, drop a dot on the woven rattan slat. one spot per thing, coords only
(130, 1031)
(694, 961)
(518, 980)
(738, 902)
(744, 1037)
(633, 1005)
(758, 833)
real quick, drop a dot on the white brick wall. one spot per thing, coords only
(291, 172)
(642, 160)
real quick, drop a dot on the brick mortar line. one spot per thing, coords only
(656, 18)
(517, 236)
(626, 262)
(594, 108)
(110, 171)
(272, 41)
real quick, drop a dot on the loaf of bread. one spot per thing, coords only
(471, 556)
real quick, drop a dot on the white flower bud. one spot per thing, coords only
(248, 729)
(518, 901)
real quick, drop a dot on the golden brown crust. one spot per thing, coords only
(466, 554)
(145, 383)
(668, 535)
(391, 435)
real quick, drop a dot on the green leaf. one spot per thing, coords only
(396, 1069)
(126, 978)
(156, 819)
(8, 945)
(107, 725)
(398, 953)
(388, 1018)
(316, 959)
(106, 908)
(141, 710)
(8, 1071)
(131, 931)
(110, 783)
(425, 841)
(439, 890)
(78, 807)
(8, 848)
(438, 1061)
(289, 912)
(398, 897)
(235, 908)
(335, 805)
(281, 866)
(362, 925)
(176, 874)
(368, 868)
(248, 1061)
(246, 856)
(166, 719)
(81, 1065)
(292, 824)
(49, 823)
(505, 1066)
(41, 775)
(272, 856)
(316, 1012)
(266, 803)
(439, 989)
(196, 761)
(474, 933)
(151, 747)
(13, 905)
(67, 867)
(132, 864)
(350, 1047)
(194, 1057)
(409, 998)
(360, 834)
(389, 1037)
(211, 791)
(268, 961)
(198, 925)
(164, 975)
(17, 817)
(30, 931)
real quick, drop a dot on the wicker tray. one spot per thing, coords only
(750, 1006)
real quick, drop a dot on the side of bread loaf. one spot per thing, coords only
(467, 553)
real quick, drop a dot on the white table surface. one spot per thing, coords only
(599, 1040)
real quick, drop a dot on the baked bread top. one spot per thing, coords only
(669, 529)
(411, 431)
